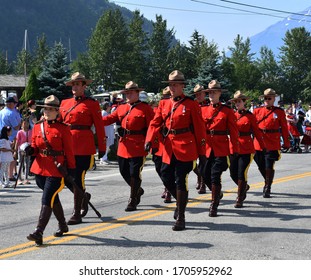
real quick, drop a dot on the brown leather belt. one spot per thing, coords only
(135, 132)
(269, 130)
(179, 130)
(245, 133)
(217, 132)
(53, 153)
(79, 127)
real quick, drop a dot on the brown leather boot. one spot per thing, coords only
(76, 216)
(44, 218)
(241, 194)
(216, 190)
(168, 197)
(202, 188)
(182, 200)
(133, 201)
(268, 183)
(59, 214)
(85, 203)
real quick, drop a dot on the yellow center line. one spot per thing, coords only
(126, 220)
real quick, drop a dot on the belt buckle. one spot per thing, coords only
(173, 131)
(212, 132)
(45, 152)
(264, 130)
(127, 132)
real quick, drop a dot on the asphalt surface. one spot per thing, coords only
(277, 228)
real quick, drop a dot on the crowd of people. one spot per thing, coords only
(182, 133)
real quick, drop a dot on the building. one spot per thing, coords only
(12, 85)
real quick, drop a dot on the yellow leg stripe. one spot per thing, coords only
(141, 168)
(83, 179)
(62, 185)
(246, 169)
(92, 161)
(186, 181)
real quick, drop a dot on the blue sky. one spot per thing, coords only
(217, 24)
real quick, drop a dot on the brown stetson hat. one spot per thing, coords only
(131, 86)
(166, 91)
(198, 88)
(214, 85)
(50, 102)
(269, 92)
(176, 77)
(78, 77)
(238, 95)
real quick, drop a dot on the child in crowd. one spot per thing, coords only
(23, 135)
(6, 156)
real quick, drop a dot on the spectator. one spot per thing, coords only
(6, 155)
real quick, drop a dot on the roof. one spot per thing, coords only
(12, 81)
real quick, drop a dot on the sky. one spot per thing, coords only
(218, 24)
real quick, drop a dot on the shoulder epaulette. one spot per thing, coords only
(90, 98)
(189, 97)
(225, 105)
(40, 121)
(278, 108)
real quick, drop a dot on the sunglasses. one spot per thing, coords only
(268, 98)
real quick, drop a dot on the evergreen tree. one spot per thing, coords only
(40, 53)
(24, 63)
(179, 57)
(159, 44)
(54, 73)
(269, 69)
(32, 89)
(4, 67)
(295, 61)
(138, 50)
(108, 51)
(246, 74)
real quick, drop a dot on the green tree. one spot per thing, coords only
(32, 89)
(108, 51)
(159, 44)
(138, 50)
(54, 73)
(24, 63)
(245, 74)
(4, 66)
(295, 61)
(40, 53)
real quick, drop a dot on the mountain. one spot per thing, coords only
(272, 37)
(59, 20)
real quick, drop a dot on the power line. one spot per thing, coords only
(263, 8)
(187, 10)
(237, 9)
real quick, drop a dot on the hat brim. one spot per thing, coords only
(87, 82)
(48, 106)
(241, 98)
(131, 89)
(216, 89)
(268, 95)
(203, 90)
(175, 82)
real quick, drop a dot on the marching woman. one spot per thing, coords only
(239, 164)
(51, 145)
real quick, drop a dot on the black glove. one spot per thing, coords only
(71, 172)
(101, 154)
(202, 160)
(264, 151)
(154, 150)
(29, 151)
(147, 146)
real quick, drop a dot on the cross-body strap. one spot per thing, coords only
(266, 116)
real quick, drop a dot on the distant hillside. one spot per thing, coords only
(273, 35)
(59, 20)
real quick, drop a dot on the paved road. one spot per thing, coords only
(278, 228)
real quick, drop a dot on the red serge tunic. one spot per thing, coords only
(219, 122)
(247, 127)
(186, 146)
(59, 137)
(85, 114)
(270, 123)
(134, 120)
